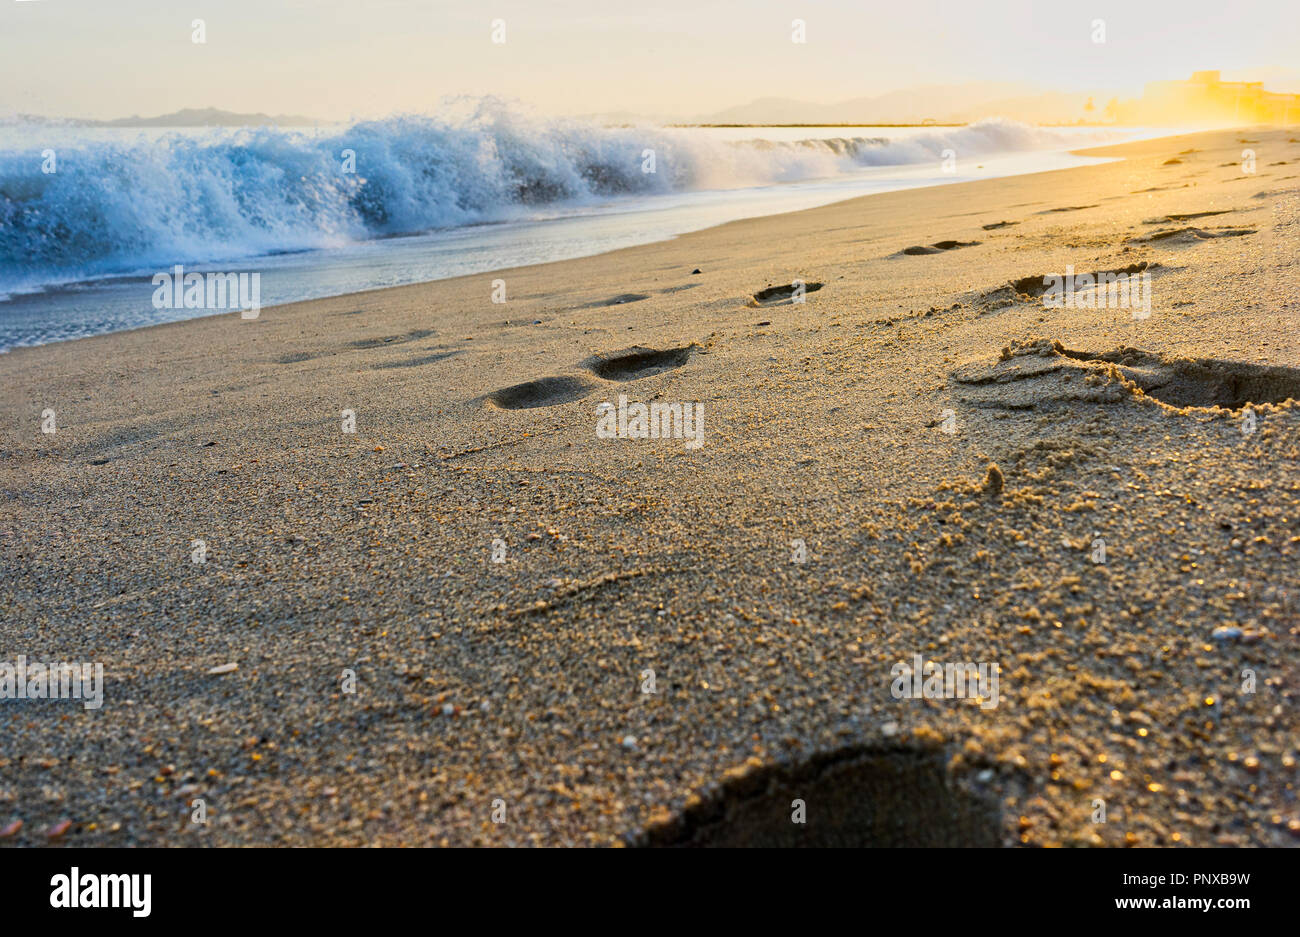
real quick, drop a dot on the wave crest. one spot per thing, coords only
(116, 206)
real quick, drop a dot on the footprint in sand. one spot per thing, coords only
(1035, 286)
(1200, 382)
(632, 363)
(391, 339)
(1039, 373)
(543, 392)
(779, 295)
(628, 364)
(1190, 235)
(1052, 211)
(417, 362)
(619, 300)
(1188, 216)
(877, 796)
(999, 224)
(938, 247)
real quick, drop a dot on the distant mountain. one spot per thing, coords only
(208, 117)
(1053, 107)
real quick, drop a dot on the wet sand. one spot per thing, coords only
(1127, 519)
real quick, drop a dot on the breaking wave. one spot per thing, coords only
(119, 205)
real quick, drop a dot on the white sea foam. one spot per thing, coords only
(129, 202)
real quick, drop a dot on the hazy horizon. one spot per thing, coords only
(681, 61)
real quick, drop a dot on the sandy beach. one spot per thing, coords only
(474, 621)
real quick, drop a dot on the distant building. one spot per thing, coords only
(1208, 98)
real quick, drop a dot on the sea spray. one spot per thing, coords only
(130, 204)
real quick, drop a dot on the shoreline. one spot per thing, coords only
(52, 292)
(919, 459)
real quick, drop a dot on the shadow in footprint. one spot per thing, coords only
(632, 363)
(391, 339)
(1200, 382)
(855, 797)
(619, 300)
(1191, 235)
(1036, 286)
(416, 362)
(296, 356)
(777, 295)
(999, 224)
(938, 247)
(1188, 216)
(543, 392)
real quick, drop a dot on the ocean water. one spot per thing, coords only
(428, 199)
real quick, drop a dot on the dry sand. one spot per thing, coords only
(520, 681)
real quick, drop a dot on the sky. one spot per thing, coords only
(339, 59)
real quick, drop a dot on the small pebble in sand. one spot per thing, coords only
(223, 668)
(58, 829)
(11, 830)
(629, 742)
(1226, 634)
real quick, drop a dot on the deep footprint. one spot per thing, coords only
(543, 392)
(776, 295)
(1042, 373)
(855, 797)
(1200, 382)
(632, 363)
(1036, 286)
